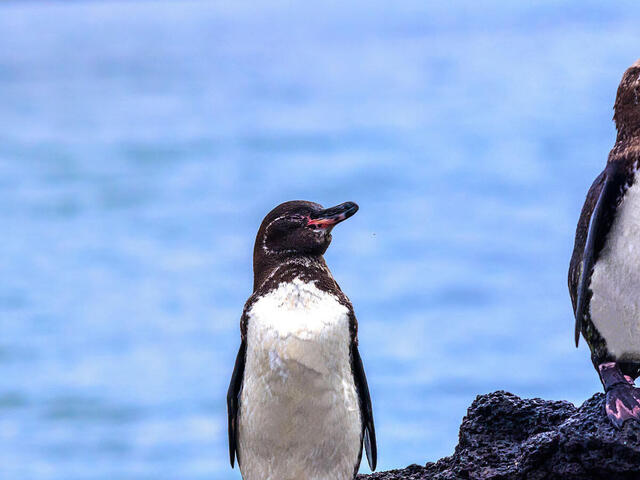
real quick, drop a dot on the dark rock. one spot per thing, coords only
(505, 437)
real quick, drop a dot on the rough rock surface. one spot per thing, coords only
(505, 437)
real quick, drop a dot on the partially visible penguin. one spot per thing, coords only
(604, 274)
(298, 401)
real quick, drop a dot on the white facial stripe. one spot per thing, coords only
(266, 231)
(264, 237)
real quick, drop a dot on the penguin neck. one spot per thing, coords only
(271, 271)
(627, 119)
(629, 132)
(627, 146)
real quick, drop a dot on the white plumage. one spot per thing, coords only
(299, 413)
(615, 282)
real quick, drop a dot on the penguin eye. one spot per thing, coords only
(285, 225)
(295, 221)
(279, 228)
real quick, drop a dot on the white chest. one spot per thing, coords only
(299, 411)
(615, 283)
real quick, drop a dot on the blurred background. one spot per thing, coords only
(141, 144)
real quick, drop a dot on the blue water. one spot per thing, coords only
(141, 143)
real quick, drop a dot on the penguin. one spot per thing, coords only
(298, 401)
(604, 272)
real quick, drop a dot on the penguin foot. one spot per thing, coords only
(622, 399)
(622, 403)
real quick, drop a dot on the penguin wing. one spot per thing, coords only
(233, 401)
(366, 412)
(594, 224)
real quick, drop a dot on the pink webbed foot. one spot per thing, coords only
(622, 399)
(622, 403)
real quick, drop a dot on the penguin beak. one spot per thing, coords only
(329, 217)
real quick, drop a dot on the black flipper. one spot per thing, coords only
(608, 194)
(366, 412)
(233, 402)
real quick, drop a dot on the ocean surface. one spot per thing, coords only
(141, 143)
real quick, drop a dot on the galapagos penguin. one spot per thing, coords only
(604, 273)
(298, 402)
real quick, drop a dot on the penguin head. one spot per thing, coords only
(299, 228)
(627, 107)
